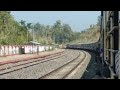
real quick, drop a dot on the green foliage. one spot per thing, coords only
(91, 35)
(58, 33)
(13, 32)
(99, 20)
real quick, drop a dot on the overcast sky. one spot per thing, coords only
(78, 20)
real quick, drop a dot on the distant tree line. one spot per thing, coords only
(14, 33)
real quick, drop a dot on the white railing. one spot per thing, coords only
(6, 50)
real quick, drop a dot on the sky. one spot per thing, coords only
(78, 20)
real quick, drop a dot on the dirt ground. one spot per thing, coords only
(25, 56)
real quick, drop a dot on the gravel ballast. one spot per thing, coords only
(37, 71)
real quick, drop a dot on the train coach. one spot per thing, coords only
(110, 43)
(90, 46)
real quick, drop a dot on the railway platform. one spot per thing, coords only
(16, 58)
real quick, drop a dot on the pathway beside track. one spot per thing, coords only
(16, 58)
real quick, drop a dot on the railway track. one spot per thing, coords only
(65, 70)
(58, 66)
(16, 61)
(15, 66)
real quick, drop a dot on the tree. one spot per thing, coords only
(29, 25)
(91, 26)
(99, 21)
(11, 32)
(23, 23)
